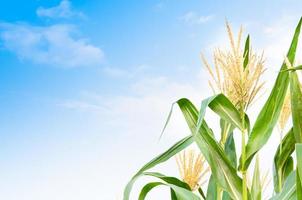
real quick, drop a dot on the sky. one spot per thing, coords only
(86, 86)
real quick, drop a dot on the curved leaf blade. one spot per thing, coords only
(180, 193)
(270, 112)
(222, 170)
(147, 188)
(179, 146)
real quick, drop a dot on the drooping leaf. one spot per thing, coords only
(147, 188)
(222, 170)
(270, 112)
(168, 179)
(281, 169)
(180, 193)
(181, 189)
(176, 148)
(222, 106)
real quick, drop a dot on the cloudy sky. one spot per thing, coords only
(86, 86)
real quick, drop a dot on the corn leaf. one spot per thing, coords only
(180, 188)
(180, 193)
(281, 160)
(173, 195)
(147, 188)
(270, 112)
(296, 105)
(256, 190)
(226, 196)
(230, 150)
(168, 179)
(299, 169)
(212, 189)
(299, 67)
(246, 51)
(200, 191)
(289, 189)
(179, 146)
(225, 130)
(222, 170)
(298, 186)
(288, 168)
(222, 106)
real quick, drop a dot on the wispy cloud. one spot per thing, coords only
(81, 106)
(54, 45)
(193, 18)
(116, 72)
(63, 10)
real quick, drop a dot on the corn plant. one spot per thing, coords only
(235, 81)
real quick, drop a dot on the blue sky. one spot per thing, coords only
(86, 85)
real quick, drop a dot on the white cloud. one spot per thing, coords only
(193, 18)
(281, 31)
(63, 10)
(80, 105)
(54, 45)
(134, 122)
(116, 72)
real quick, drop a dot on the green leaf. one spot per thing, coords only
(299, 67)
(299, 169)
(289, 189)
(298, 186)
(180, 193)
(225, 128)
(222, 106)
(281, 160)
(288, 168)
(270, 112)
(168, 179)
(226, 196)
(167, 120)
(179, 146)
(200, 191)
(230, 150)
(222, 170)
(246, 51)
(180, 188)
(147, 188)
(296, 105)
(173, 195)
(212, 189)
(256, 190)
